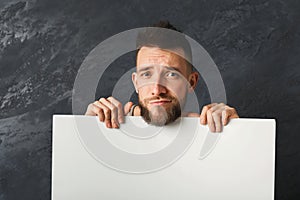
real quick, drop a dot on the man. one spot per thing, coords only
(163, 78)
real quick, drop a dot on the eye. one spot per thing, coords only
(172, 74)
(146, 74)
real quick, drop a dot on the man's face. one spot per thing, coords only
(162, 81)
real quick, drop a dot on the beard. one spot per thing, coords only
(159, 115)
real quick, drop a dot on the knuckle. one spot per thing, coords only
(114, 109)
(229, 110)
(98, 111)
(228, 107)
(205, 107)
(209, 111)
(215, 114)
(119, 105)
(213, 106)
(102, 99)
(107, 112)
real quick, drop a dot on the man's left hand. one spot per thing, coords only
(216, 115)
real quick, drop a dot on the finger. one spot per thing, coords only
(90, 110)
(111, 113)
(93, 109)
(193, 115)
(229, 113)
(98, 111)
(216, 111)
(233, 113)
(203, 115)
(127, 107)
(217, 121)
(97, 105)
(210, 121)
(106, 114)
(119, 107)
(225, 114)
(217, 106)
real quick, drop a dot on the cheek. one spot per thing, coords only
(179, 91)
(144, 92)
(180, 96)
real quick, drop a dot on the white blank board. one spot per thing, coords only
(239, 164)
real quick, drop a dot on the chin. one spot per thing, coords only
(160, 115)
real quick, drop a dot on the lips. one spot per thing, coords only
(160, 101)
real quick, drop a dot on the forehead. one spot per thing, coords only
(157, 56)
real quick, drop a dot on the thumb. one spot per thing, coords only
(127, 107)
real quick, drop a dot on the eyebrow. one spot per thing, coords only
(172, 68)
(151, 67)
(145, 68)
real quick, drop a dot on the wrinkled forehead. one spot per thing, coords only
(162, 57)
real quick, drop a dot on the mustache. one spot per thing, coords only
(162, 96)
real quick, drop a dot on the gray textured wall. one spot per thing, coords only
(255, 44)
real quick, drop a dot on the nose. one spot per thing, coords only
(158, 89)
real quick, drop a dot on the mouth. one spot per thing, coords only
(160, 102)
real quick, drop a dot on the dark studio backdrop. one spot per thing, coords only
(255, 44)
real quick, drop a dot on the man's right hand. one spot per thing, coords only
(109, 110)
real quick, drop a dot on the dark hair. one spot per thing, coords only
(164, 39)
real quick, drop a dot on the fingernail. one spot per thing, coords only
(108, 125)
(116, 125)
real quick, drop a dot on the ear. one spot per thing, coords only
(193, 80)
(134, 81)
